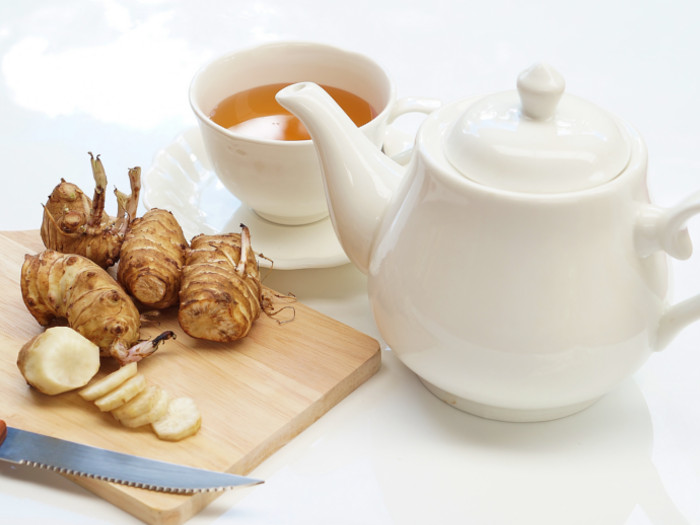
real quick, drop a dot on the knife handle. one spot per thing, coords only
(3, 431)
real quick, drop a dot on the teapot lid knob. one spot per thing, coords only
(540, 88)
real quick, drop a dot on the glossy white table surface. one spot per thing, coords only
(112, 77)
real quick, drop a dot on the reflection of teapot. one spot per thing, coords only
(517, 267)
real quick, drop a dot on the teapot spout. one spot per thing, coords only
(359, 179)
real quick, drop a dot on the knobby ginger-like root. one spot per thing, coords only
(73, 223)
(221, 294)
(68, 286)
(152, 257)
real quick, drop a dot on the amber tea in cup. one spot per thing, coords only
(254, 112)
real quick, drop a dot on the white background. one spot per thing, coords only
(112, 77)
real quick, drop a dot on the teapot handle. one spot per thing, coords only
(402, 107)
(665, 229)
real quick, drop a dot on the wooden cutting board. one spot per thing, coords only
(254, 395)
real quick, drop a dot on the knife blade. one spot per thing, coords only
(23, 447)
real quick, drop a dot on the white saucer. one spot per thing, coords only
(181, 180)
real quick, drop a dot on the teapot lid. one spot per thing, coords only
(537, 140)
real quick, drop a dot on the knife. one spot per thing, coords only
(22, 447)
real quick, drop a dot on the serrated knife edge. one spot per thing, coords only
(24, 447)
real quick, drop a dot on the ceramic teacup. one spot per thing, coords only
(281, 180)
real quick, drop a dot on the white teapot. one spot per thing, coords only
(516, 264)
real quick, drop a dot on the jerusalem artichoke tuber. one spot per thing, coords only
(69, 286)
(58, 360)
(152, 257)
(221, 294)
(73, 223)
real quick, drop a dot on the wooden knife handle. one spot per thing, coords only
(3, 431)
